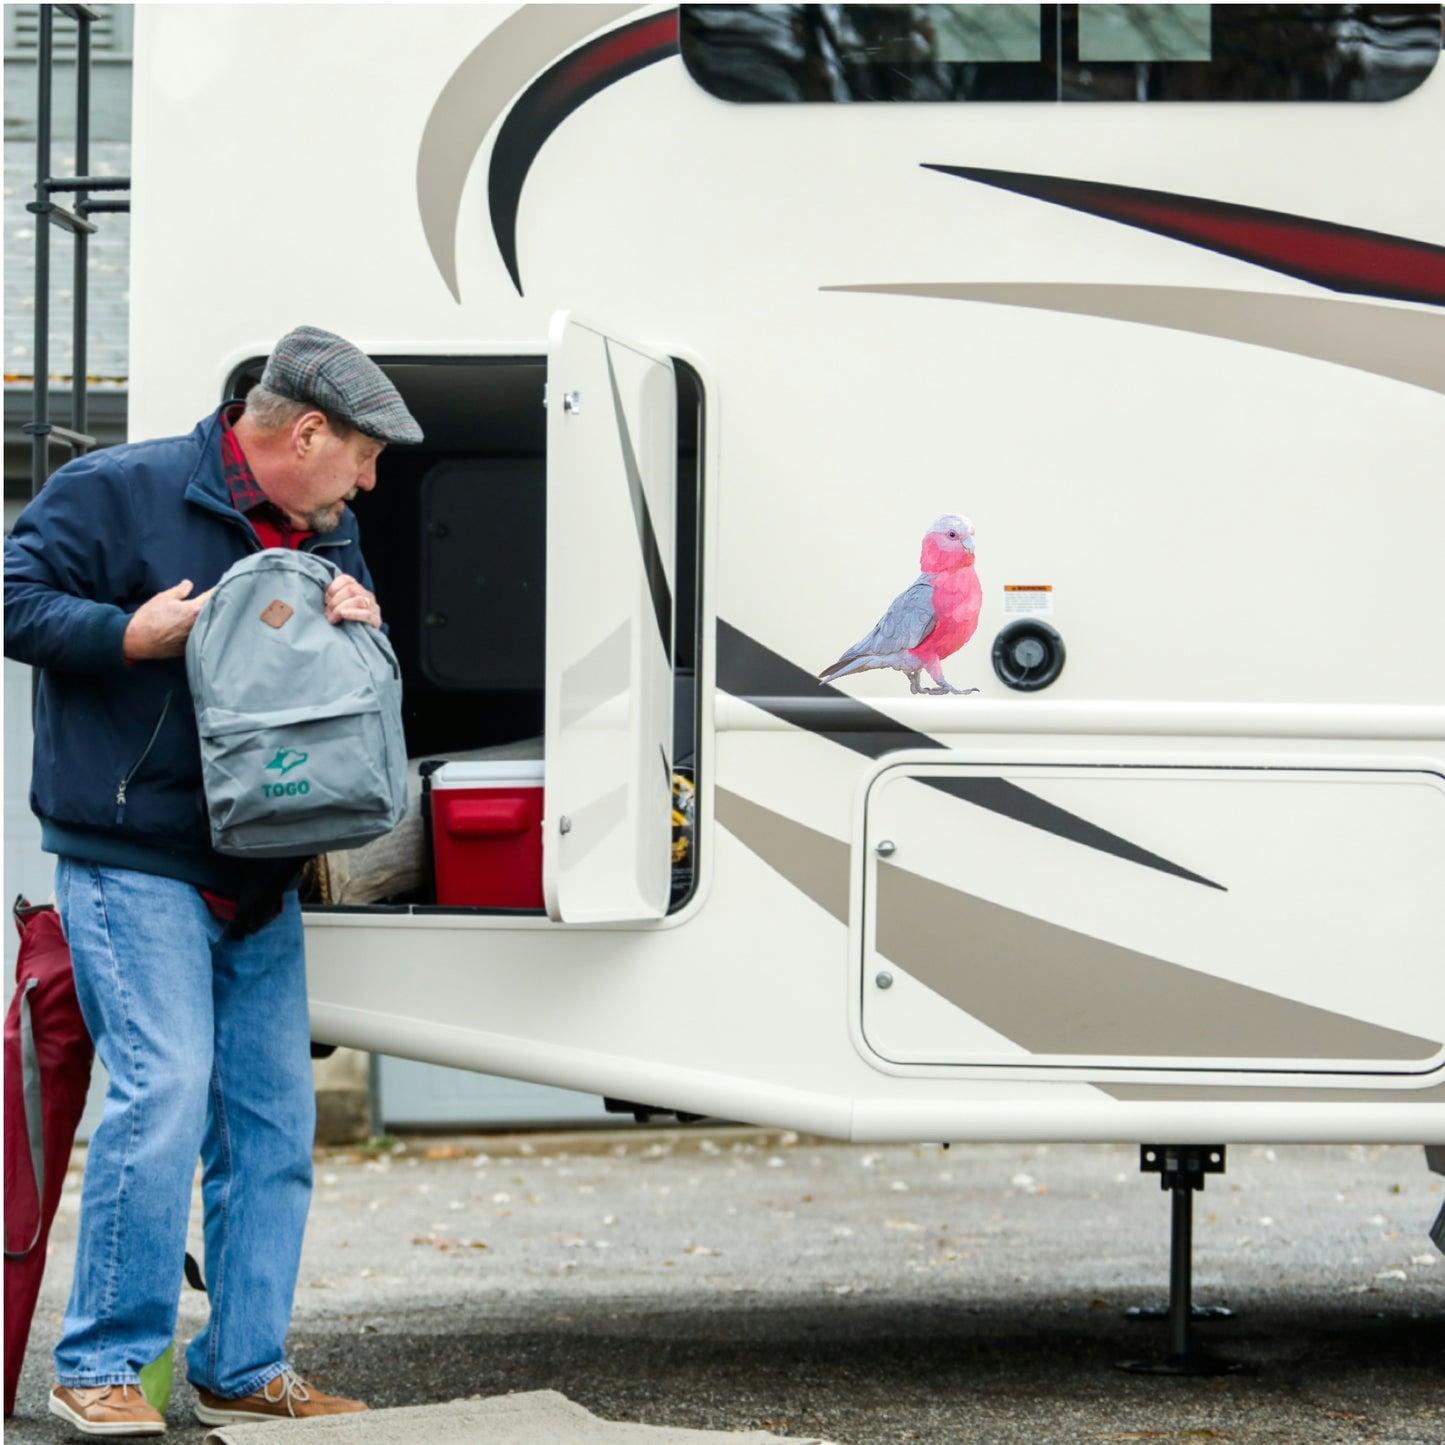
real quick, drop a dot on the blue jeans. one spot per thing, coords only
(207, 1042)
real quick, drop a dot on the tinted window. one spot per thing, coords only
(1145, 32)
(1059, 52)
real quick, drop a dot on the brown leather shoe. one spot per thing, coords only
(287, 1397)
(106, 1410)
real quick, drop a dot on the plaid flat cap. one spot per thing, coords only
(318, 367)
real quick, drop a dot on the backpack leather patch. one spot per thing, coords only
(277, 613)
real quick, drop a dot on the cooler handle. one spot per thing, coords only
(482, 817)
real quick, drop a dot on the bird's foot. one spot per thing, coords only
(947, 690)
(913, 683)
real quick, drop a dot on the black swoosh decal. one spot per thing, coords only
(642, 517)
(762, 677)
(550, 99)
(476, 97)
(999, 796)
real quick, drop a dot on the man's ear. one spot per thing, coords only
(306, 432)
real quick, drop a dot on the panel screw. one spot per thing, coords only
(886, 848)
(884, 980)
(564, 824)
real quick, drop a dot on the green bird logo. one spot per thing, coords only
(285, 760)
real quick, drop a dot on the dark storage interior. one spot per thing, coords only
(455, 536)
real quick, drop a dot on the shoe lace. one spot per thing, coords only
(103, 1392)
(292, 1390)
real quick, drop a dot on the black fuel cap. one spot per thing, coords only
(1028, 654)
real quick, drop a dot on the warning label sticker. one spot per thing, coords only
(1032, 598)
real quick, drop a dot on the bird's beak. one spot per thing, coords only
(968, 545)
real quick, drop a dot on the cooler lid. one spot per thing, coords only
(521, 772)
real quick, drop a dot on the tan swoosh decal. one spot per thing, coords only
(1391, 341)
(812, 862)
(1051, 989)
(1057, 991)
(478, 92)
(1257, 1094)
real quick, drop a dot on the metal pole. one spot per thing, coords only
(377, 1122)
(1181, 1281)
(40, 393)
(79, 407)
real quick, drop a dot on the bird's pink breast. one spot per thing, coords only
(939, 555)
(957, 601)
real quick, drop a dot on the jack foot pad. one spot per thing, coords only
(1194, 1363)
(1161, 1312)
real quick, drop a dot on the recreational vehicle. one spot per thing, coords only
(1101, 344)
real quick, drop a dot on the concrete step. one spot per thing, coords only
(538, 1417)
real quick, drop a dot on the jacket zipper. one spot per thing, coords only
(125, 781)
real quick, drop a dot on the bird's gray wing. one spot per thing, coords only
(909, 619)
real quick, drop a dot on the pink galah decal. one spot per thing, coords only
(929, 621)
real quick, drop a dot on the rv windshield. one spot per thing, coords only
(1059, 52)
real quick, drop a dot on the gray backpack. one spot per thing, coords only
(300, 719)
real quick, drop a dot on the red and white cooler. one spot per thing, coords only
(486, 821)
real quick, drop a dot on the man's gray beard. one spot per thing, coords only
(324, 519)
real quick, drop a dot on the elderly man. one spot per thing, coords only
(188, 965)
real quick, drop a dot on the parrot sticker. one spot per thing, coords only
(929, 621)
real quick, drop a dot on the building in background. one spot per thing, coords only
(403, 1093)
(109, 250)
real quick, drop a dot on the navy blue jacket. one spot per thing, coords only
(117, 768)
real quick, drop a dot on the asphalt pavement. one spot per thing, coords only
(737, 1279)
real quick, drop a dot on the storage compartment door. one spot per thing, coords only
(611, 492)
(1246, 919)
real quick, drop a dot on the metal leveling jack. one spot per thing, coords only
(1435, 1161)
(1181, 1169)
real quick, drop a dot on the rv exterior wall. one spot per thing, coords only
(1225, 476)
(1219, 521)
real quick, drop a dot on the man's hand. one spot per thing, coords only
(348, 601)
(159, 628)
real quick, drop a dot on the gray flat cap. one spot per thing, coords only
(318, 367)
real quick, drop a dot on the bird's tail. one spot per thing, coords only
(844, 665)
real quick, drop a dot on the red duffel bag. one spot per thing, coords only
(47, 1073)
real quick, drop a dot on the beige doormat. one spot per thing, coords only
(540, 1417)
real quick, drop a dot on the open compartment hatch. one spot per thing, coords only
(611, 486)
(537, 565)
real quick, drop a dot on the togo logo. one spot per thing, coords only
(283, 762)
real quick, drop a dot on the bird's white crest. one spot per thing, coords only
(952, 522)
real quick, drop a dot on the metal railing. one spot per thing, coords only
(75, 219)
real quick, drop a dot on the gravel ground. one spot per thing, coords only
(740, 1279)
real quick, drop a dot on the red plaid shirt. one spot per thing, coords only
(271, 524)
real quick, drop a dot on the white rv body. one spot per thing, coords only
(1192, 890)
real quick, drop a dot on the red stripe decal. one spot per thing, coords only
(614, 51)
(1342, 258)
